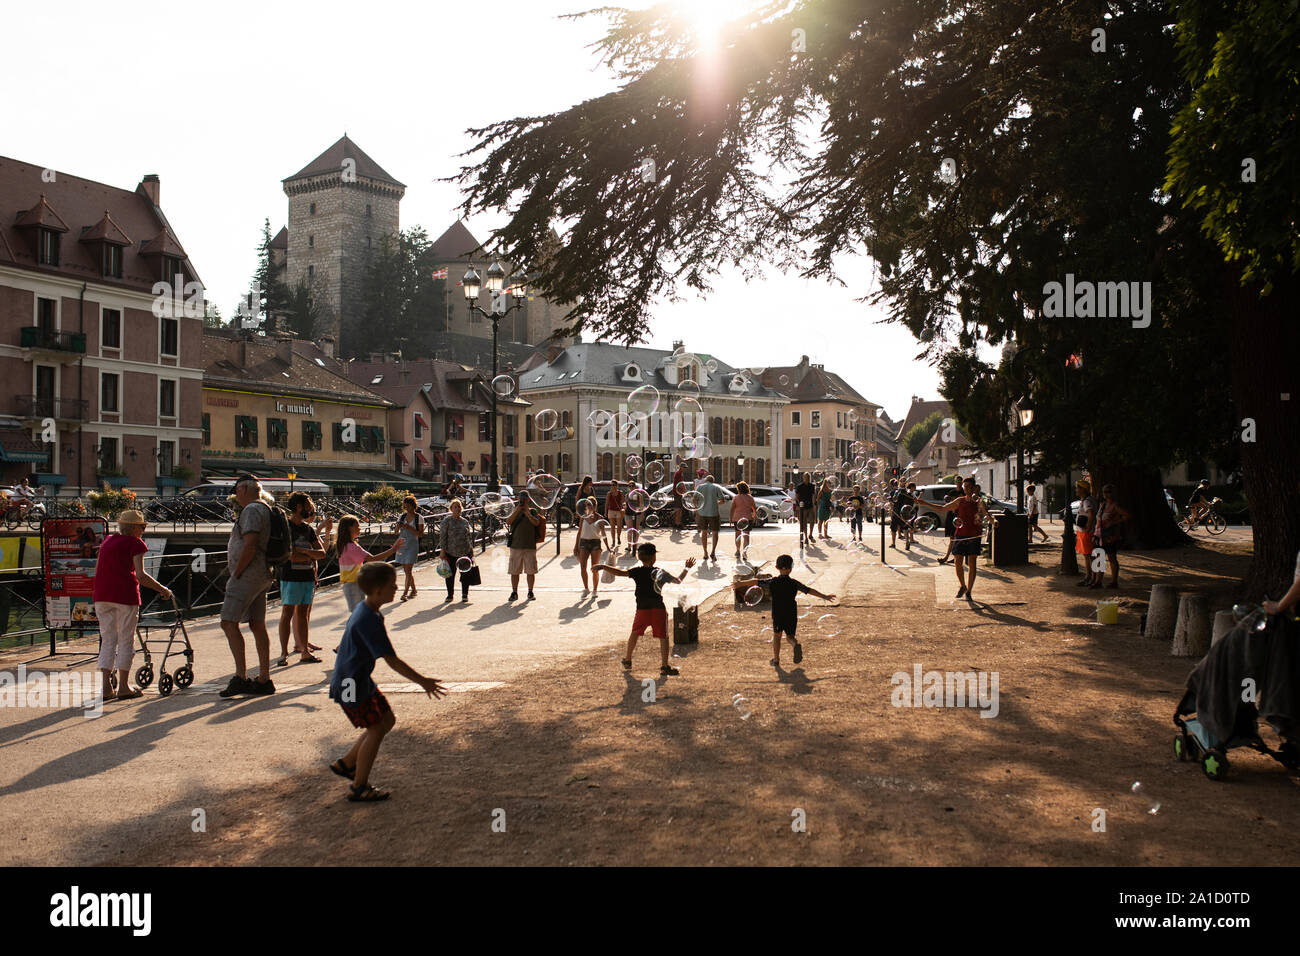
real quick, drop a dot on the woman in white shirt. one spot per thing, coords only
(591, 535)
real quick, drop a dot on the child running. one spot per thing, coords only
(365, 640)
(855, 507)
(650, 609)
(352, 556)
(785, 612)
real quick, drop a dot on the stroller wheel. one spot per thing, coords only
(144, 675)
(1181, 750)
(164, 683)
(1215, 764)
(184, 677)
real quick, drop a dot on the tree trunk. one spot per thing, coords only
(1266, 385)
(1140, 491)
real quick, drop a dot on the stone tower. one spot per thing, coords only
(341, 205)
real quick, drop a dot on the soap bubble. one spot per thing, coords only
(644, 400)
(744, 569)
(689, 406)
(702, 447)
(692, 501)
(689, 387)
(633, 464)
(685, 444)
(711, 365)
(783, 380)
(828, 625)
(463, 565)
(680, 488)
(652, 520)
(661, 498)
(545, 491)
(547, 419)
(637, 501)
(654, 472)
(632, 535)
(600, 418)
(804, 611)
(504, 386)
(762, 514)
(742, 524)
(742, 706)
(602, 526)
(1141, 792)
(738, 383)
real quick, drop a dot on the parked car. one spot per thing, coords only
(600, 490)
(770, 498)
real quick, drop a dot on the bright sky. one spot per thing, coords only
(224, 100)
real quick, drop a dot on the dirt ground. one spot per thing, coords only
(581, 770)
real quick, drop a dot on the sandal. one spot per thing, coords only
(282, 662)
(343, 770)
(309, 659)
(130, 694)
(366, 794)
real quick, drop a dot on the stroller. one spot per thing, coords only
(1254, 670)
(144, 674)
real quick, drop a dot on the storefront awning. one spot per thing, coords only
(419, 456)
(17, 445)
(420, 420)
(358, 477)
(402, 458)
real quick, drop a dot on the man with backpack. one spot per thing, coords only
(258, 540)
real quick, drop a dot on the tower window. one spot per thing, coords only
(367, 209)
(312, 211)
(311, 241)
(367, 242)
(311, 272)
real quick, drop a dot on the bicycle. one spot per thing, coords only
(1210, 518)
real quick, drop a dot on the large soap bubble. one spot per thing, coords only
(547, 419)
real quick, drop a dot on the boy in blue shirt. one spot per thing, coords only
(365, 640)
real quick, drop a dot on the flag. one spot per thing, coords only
(440, 273)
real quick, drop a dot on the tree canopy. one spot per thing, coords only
(978, 153)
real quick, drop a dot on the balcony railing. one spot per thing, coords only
(35, 337)
(41, 406)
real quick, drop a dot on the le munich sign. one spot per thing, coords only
(296, 409)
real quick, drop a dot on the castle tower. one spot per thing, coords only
(341, 205)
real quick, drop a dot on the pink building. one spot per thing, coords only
(102, 366)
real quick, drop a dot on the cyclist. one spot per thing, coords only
(1199, 502)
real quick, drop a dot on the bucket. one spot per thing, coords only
(1107, 612)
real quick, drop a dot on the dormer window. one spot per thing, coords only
(171, 268)
(112, 261)
(47, 247)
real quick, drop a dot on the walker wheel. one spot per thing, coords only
(164, 683)
(184, 677)
(1181, 751)
(144, 675)
(1215, 764)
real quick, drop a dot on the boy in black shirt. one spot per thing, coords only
(650, 609)
(785, 612)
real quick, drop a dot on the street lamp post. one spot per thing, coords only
(496, 276)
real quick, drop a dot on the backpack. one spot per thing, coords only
(541, 533)
(279, 544)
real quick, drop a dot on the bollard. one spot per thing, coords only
(1162, 613)
(1223, 623)
(1192, 631)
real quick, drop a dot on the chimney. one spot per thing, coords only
(678, 345)
(803, 360)
(237, 351)
(326, 344)
(151, 186)
(284, 349)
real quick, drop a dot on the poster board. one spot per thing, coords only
(69, 552)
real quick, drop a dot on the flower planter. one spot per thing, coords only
(169, 481)
(113, 481)
(54, 481)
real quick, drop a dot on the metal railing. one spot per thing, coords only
(44, 406)
(35, 337)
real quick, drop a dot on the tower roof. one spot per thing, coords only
(456, 243)
(332, 159)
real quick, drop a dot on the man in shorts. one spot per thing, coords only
(250, 579)
(708, 518)
(524, 524)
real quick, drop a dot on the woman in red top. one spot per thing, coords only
(119, 573)
(615, 502)
(969, 536)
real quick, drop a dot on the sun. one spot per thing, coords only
(708, 17)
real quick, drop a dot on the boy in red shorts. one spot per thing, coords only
(365, 640)
(650, 609)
